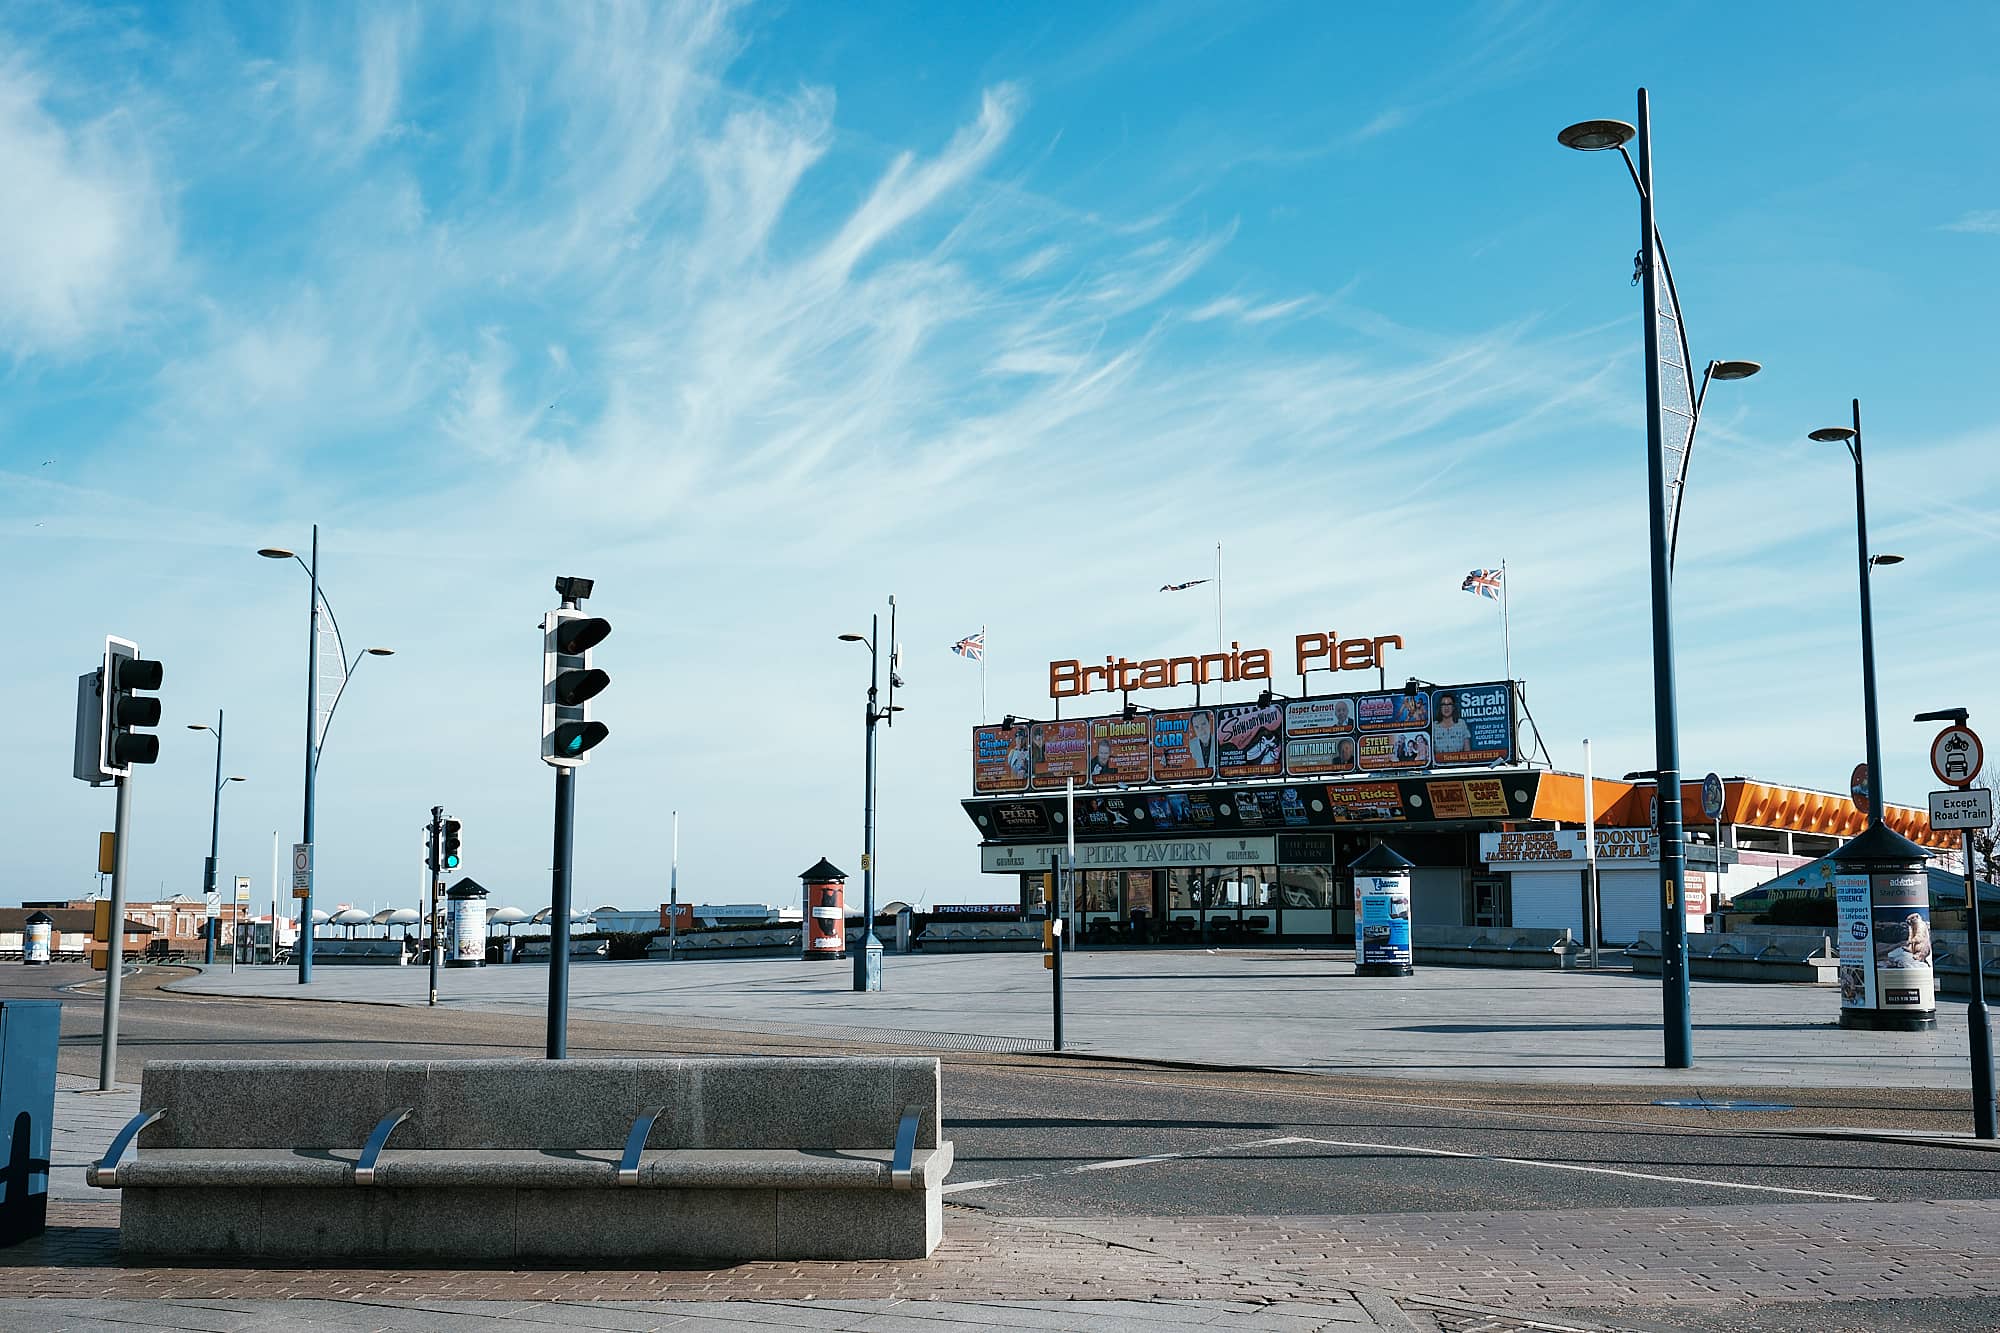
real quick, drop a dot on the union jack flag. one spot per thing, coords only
(1482, 582)
(1182, 587)
(972, 646)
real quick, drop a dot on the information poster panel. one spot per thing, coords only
(1183, 745)
(1472, 724)
(1121, 751)
(999, 759)
(1857, 954)
(1250, 741)
(1384, 920)
(1900, 923)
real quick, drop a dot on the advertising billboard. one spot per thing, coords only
(1250, 741)
(1472, 724)
(1000, 758)
(1319, 717)
(1057, 752)
(1183, 745)
(1408, 731)
(1364, 802)
(1121, 751)
(1395, 752)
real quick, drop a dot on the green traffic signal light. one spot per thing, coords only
(452, 840)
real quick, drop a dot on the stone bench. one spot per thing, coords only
(980, 936)
(574, 1162)
(1749, 955)
(1493, 946)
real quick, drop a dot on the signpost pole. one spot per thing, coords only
(674, 891)
(1055, 956)
(1981, 1034)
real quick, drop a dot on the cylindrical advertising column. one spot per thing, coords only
(35, 943)
(825, 926)
(1382, 914)
(1882, 891)
(466, 946)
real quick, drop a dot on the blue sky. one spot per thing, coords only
(758, 314)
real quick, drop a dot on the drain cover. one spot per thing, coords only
(1704, 1104)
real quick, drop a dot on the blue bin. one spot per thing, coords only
(30, 1036)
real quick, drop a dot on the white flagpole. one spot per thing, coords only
(1590, 853)
(1506, 630)
(1221, 643)
(982, 675)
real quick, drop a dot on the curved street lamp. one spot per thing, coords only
(1665, 481)
(316, 727)
(213, 924)
(868, 961)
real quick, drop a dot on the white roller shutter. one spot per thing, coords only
(1551, 899)
(1631, 902)
(1437, 896)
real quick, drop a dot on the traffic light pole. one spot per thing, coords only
(114, 960)
(436, 878)
(559, 915)
(565, 844)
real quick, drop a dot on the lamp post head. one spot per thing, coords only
(1734, 370)
(381, 652)
(1594, 136)
(854, 638)
(1885, 560)
(276, 553)
(1832, 435)
(198, 726)
(239, 779)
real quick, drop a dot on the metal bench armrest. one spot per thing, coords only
(635, 1143)
(107, 1166)
(378, 1139)
(906, 1151)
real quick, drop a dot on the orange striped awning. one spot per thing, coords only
(1766, 805)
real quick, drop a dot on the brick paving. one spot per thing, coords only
(1522, 1263)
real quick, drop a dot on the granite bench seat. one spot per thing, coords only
(495, 1168)
(567, 1161)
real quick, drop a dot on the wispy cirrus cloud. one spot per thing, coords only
(1979, 221)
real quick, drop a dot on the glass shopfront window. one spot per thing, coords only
(1306, 895)
(1101, 893)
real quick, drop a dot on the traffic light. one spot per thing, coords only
(569, 683)
(452, 842)
(125, 710)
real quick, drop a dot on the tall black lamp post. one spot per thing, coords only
(868, 959)
(1664, 483)
(214, 834)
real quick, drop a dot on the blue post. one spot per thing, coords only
(214, 838)
(1677, 1030)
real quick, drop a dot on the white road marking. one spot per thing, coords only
(1569, 1166)
(1116, 1163)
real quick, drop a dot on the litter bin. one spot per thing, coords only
(30, 1033)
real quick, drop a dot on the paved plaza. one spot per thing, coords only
(1288, 1010)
